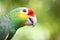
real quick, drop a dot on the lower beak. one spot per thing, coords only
(31, 21)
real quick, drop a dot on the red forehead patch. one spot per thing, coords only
(31, 13)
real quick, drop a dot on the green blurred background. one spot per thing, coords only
(48, 17)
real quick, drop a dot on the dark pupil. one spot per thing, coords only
(24, 10)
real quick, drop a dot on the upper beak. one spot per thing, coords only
(31, 21)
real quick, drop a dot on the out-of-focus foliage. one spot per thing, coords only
(48, 17)
(30, 33)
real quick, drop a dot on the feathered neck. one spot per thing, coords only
(16, 21)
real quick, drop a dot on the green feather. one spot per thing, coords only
(16, 20)
(10, 23)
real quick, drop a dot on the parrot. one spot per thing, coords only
(14, 20)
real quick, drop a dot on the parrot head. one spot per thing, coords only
(29, 16)
(25, 14)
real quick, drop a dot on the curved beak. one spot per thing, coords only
(31, 21)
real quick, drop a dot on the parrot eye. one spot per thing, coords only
(24, 11)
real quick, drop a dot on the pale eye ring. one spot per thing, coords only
(24, 11)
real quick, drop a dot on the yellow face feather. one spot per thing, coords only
(23, 16)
